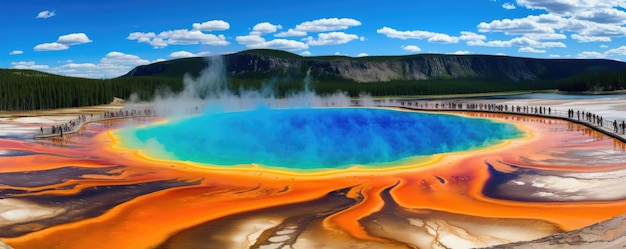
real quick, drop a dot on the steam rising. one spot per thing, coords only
(210, 93)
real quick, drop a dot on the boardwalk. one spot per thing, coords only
(576, 116)
(588, 119)
(74, 125)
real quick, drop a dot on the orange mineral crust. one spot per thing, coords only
(83, 192)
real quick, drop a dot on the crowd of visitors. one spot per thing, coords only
(74, 124)
(574, 115)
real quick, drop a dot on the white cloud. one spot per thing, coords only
(73, 39)
(53, 46)
(604, 46)
(319, 25)
(182, 54)
(332, 38)
(264, 28)
(284, 44)
(545, 23)
(585, 21)
(86, 70)
(530, 50)
(113, 64)
(583, 38)
(461, 52)
(587, 28)
(607, 16)
(119, 58)
(16, 52)
(251, 40)
(213, 25)
(141, 37)
(551, 45)
(571, 7)
(28, 65)
(186, 54)
(545, 36)
(77, 68)
(361, 55)
(417, 34)
(404, 35)
(256, 41)
(327, 24)
(186, 37)
(158, 42)
(64, 42)
(554, 56)
(291, 33)
(589, 54)
(508, 6)
(306, 53)
(471, 36)
(45, 14)
(411, 48)
(617, 51)
(518, 41)
(443, 38)
(80, 65)
(178, 37)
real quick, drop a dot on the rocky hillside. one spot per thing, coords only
(272, 63)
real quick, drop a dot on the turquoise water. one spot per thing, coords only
(314, 138)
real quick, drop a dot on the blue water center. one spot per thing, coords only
(314, 138)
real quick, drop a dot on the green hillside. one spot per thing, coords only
(33, 90)
(605, 81)
(275, 63)
(285, 73)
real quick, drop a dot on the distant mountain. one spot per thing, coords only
(265, 64)
(284, 73)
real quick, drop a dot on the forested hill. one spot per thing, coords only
(266, 64)
(285, 72)
(34, 90)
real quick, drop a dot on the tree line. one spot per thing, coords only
(33, 90)
(594, 82)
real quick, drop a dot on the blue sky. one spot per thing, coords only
(105, 39)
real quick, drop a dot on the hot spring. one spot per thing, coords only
(313, 138)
